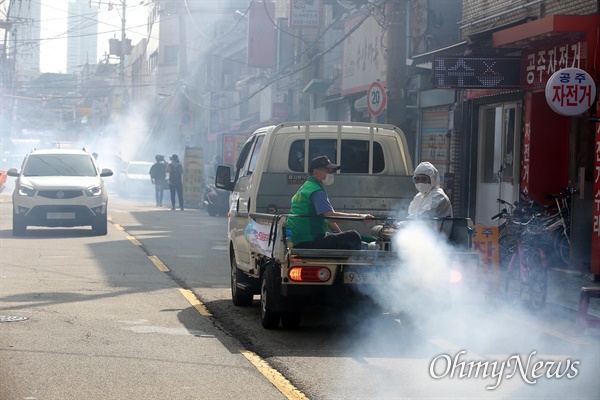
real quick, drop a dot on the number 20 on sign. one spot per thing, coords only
(376, 98)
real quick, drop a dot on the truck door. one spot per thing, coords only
(244, 194)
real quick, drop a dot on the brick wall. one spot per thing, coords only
(476, 13)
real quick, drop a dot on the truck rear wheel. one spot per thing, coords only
(239, 296)
(291, 319)
(268, 317)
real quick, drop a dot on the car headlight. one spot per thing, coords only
(27, 191)
(93, 191)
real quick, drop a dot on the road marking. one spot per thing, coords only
(109, 218)
(159, 264)
(274, 376)
(119, 227)
(134, 240)
(191, 297)
(549, 331)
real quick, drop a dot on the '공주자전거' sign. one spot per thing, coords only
(570, 91)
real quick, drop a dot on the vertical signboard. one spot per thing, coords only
(192, 175)
(525, 157)
(595, 262)
(232, 145)
(261, 34)
(365, 57)
(305, 13)
(485, 242)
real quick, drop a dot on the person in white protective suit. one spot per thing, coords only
(431, 201)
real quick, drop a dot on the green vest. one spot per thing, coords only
(306, 229)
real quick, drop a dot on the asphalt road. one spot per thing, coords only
(105, 322)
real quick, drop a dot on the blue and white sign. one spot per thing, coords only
(570, 91)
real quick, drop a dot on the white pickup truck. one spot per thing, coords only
(375, 178)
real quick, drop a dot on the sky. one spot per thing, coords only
(53, 52)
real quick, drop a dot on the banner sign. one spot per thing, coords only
(192, 175)
(485, 242)
(456, 72)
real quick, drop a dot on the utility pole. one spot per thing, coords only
(123, 45)
(396, 17)
(6, 71)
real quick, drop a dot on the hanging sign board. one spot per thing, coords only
(570, 91)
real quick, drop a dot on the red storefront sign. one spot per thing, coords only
(540, 64)
(595, 261)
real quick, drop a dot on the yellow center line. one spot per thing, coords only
(119, 227)
(159, 264)
(549, 331)
(109, 218)
(274, 376)
(134, 240)
(193, 300)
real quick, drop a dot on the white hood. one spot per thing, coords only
(59, 182)
(434, 203)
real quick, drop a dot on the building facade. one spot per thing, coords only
(82, 39)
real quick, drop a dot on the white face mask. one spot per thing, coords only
(328, 179)
(423, 187)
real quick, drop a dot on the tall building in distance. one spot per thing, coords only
(82, 40)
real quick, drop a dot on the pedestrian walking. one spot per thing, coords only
(175, 171)
(158, 176)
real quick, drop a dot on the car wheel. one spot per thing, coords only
(239, 296)
(100, 225)
(268, 317)
(19, 226)
(212, 210)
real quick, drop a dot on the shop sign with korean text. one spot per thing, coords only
(570, 91)
(485, 243)
(305, 13)
(540, 64)
(595, 260)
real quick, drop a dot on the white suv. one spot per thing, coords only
(59, 187)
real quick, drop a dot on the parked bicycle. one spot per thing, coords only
(552, 222)
(527, 271)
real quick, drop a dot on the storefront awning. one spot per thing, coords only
(554, 26)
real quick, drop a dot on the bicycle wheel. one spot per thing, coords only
(506, 249)
(513, 285)
(537, 280)
(562, 248)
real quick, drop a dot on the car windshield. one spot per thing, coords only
(59, 165)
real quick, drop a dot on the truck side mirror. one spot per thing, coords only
(223, 178)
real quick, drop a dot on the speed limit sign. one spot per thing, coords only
(376, 98)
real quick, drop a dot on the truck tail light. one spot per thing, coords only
(309, 274)
(455, 276)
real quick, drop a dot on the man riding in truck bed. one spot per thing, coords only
(311, 202)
